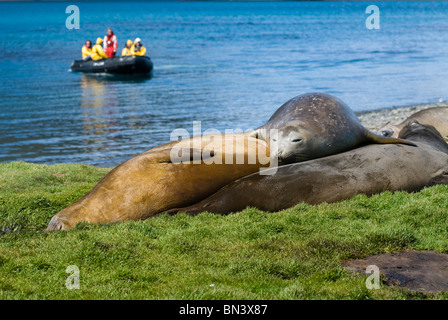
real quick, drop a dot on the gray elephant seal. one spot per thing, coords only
(315, 125)
(368, 170)
(436, 117)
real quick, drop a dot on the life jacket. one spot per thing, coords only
(110, 45)
(110, 40)
(86, 51)
(127, 51)
(98, 53)
(138, 50)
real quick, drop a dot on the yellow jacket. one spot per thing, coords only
(86, 52)
(138, 53)
(98, 52)
(127, 52)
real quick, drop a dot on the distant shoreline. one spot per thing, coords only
(375, 119)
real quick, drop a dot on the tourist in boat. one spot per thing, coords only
(110, 43)
(127, 50)
(87, 51)
(138, 49)
(97, 50)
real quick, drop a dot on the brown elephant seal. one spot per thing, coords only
(152, 182)
(436, 117)
(367, 170)
(417, 132)
(315, 125)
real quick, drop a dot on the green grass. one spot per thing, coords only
(292, 254)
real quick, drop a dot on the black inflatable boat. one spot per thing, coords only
(116, 65)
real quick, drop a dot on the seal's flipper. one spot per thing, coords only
(260, 133)
(192, 211)
(374, 138)
(184, 155)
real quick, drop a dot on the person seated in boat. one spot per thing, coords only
(127, 50)
(138, 49)
(87, 51)
(110, 43)
(97, 51)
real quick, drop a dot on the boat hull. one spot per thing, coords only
(116, 65)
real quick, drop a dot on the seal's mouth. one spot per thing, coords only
(291, 158)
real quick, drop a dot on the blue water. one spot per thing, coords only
(227, 64)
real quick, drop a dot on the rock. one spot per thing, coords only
(425, 271)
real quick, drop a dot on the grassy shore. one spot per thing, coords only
(292, 254)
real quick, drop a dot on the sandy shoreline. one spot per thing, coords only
(376, 119)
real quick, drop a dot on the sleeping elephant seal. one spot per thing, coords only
(436, 117)
(152, 182)
(315, 125)
(417, 132)
(367, 170)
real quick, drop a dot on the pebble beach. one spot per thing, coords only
(376, 119)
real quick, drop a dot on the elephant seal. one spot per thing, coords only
(152, 182)
(315, 125)
(436, 117)
(367, 170)
(417, 132)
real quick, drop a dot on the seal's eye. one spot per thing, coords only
(296, 140)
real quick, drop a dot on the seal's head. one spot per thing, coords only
(388, 131)
(296, 141)
(310, 126)
(427, 134)
(315, 125)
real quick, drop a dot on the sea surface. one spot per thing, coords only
(229, 65)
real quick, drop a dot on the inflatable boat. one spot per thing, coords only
(116, 65)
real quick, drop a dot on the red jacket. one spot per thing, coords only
(110, 45)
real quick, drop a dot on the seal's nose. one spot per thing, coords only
(55, 224)
(386, 133)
